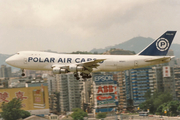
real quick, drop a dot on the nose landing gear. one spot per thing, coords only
(23, 74)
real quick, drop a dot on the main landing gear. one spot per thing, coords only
(84, 76)
(23, 74)
(77, 76)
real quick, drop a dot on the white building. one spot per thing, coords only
(52, 84)
(70, 91)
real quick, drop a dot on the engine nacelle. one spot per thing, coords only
(57, 70)
(75, 68)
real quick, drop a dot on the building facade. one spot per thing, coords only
(70, 91)
(5, 71)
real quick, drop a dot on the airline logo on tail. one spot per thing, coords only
(162, 44)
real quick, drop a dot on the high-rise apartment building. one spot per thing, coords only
(5, 71)
(137, 84)
(70, 91)
(52, 84)
(177, 81)
(119, 77)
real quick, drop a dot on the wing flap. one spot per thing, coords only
(91, 63)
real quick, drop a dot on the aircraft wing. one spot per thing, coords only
(159, 59)
(87, 65)
(91, 64)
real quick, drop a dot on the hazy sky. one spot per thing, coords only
(81, 25)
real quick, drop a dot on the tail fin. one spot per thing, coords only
(160, 46)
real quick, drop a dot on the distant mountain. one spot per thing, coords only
(137, 44)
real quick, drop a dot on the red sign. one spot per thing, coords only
(20, 95)
(3, 97)
(107, 97)
(104, 97)
(106, 89)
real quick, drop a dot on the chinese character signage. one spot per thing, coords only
(32, 97)
(20, 95)
(4, 96)
(166, 71)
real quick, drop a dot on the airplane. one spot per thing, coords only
(154, 53)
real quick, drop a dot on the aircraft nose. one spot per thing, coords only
(10, 61)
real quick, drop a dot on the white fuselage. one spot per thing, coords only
(34, 60)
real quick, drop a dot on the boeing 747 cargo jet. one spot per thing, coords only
(155, 53)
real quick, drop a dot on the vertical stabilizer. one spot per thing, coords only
(160, 46)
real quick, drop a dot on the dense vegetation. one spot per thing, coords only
(78, 114)
(159, 102)
(100, 115)
(12, 110)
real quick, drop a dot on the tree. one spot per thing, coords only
(100, 115)
(12, 110)
(78, 114)
(148, 94)
(25, 114)
(155, 101)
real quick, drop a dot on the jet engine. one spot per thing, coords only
(75, 68)
(57, 70)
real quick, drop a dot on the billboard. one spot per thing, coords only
(106, 89)
(103, 78)
(106, 100)
(33, 98)
(107, 97)
(107, 103)
(166, 71)
(38, 98)
(105, 93)
(105, 110)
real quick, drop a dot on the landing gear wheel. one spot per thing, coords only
(23, 74)
(76, 75)
(77, 78)
(84, 76)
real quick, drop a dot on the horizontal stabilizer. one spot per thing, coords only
(160, 59)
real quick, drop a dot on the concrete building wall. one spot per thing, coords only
(138, 83)
(70, 91)
(5, 71)
(119, 77)
(177, 81)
